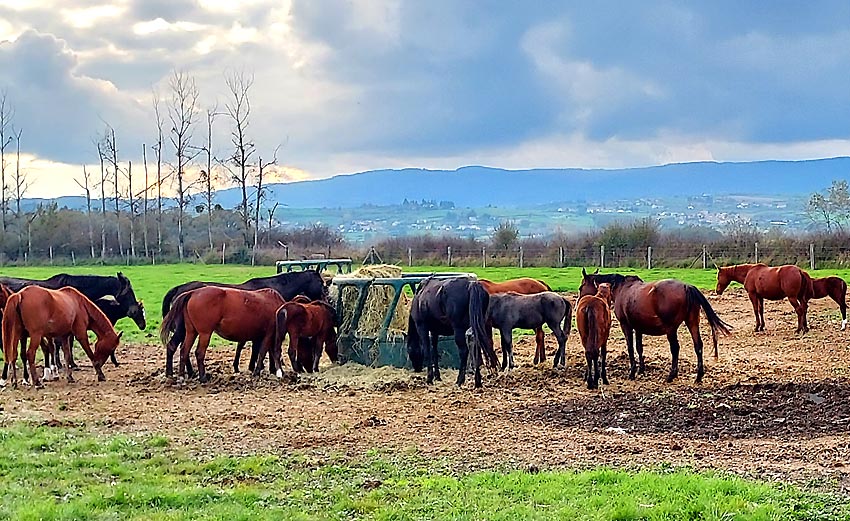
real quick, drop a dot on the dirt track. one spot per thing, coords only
(773, 405)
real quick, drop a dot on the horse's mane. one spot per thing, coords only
(615, 279)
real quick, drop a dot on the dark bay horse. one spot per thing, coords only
(315, 321)
(834, 288)
(509, 311)
(771, 283)
(62, 313)
(593, 321)
(308, 283)
(449, 307)
(523, 286)
(233, 314)
(657, 308)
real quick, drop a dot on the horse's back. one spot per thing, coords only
(777, 282)
(49, 311)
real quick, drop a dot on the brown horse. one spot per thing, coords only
(834, 288)
(236, 315)
(593, 320)
(314, 321)
(63, 313)
(764, 282)
(523, 286)
(657, 308)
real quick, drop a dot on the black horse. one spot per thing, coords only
(308, 283)
(114, 296)
(449, 307)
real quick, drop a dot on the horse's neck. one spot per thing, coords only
(740, 272)
(98, 322)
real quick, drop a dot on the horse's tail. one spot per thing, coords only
(11, 327)
(172, 321)
(548, 288)
(280, 317)
(695, 296)
(479, 301)
(806, 290)
(414, 345)
(168, 297)
(590, 335)
(568, 317)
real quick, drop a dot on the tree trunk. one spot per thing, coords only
(102, 207)
(132, 210)
(145, 204)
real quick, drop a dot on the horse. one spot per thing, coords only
(41, 312)
(523, 286)
(834, 288)
(764, 282)
(593, 321)
(509, 311)
(288, 285)
(657, 308)
(449, 307)
(315, 321)
(234, 314)
(114, 295)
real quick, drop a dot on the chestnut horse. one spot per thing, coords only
(834, 288)
(63, 313)
(593, 321)
(236, 315)
(763, 282)
(523, 286)
(657, 308)
(315, 321)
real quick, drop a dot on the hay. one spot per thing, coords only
(378, 300)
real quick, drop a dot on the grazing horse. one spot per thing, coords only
(834, 288)
(234, 314)
(523, 286)
(593, 321)
(40, 313)
(308, 283)
(315, 321)
(449, 307)
(509, 311)
(657, 308)
(764, 282)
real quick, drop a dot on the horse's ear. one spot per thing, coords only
(596, 272)
(583, 273)
(120, 333)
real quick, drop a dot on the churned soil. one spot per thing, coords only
(774, 405)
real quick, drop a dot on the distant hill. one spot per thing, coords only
(477, 186)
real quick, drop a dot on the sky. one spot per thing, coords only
(342, 86)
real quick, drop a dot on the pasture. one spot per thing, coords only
(351, 442)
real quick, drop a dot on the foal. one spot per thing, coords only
(834, 288)
(593, 321)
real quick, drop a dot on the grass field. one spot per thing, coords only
(66, 473)
(152, 282)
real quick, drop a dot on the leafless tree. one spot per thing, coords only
(101, 154)
(86, 184)
(271, 211)
(110, 149)
(207, 176)
(7, 114)
(182, 113)
(145, 203)
(158, 149)
(239, 110)
(21, 183)
(132, 203)
(261, 167)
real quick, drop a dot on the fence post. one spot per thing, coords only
(223, 247)
(50, 249)
(449, 254)
(649, 257)
(601, 255)
(483, 256)
(757, 252)
(560, 256)
(73, 259)
(520, 257)
(812, 256)
(410, 256)
(704, 265)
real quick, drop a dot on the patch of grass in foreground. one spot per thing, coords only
(57, 473)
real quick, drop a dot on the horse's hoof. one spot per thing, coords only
(605, 381)
(671, 378)
(101, 378)
(26, 383)
(71, 379)
(632, 375)
(279, 373)
(2, 382)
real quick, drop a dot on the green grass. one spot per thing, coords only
(152, 282)
(65, 473)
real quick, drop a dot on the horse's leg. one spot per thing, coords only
(200, 355)
(799, 310)
(66, 347)
(755, 302)
(435, 339)
(507, 348)
(540, 352)
(185, 369)
(674, 352)
(639, 346)
(463, 351)
(317, 351)
(239, 347)
(693, 327)
(630, 345)
(588, 372)
(294, 342)
(603, 352)
(73, 362)
(35, 343)
(561, 337)
(24, 359)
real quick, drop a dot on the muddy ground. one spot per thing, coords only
(773, 405)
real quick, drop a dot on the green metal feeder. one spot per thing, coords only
(383, 349)
(342, 265)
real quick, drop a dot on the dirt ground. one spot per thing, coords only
(773, 405)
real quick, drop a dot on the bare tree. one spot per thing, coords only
(85, 185)
(239, 110)
(7, 114)
(145, 204)
(133, 206)
(158, 149)
(21, 186)
(101, 154)
(271, 211)
(182, 113)
(110, 148)
(207, 176)
(258, 203)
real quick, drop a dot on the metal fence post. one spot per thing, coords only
(757, 252)
(560, 256)
(483, 256)
(812, 256)
(410, 256)
(704, 265)
(449, 252)
(601, 255)
(649, 257)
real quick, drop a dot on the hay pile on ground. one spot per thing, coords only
(378, 300)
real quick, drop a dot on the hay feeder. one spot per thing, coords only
(372, 314)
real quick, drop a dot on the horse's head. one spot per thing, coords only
(126, 297)
(724, 278)
(588, 283)
(105, 346)
(604, 292)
